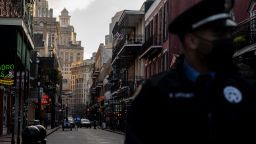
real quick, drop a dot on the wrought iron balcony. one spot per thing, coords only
(125, 42)
(18, 9)
(245, 33)
(151, 46)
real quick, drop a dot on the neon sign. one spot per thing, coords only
(7, 74)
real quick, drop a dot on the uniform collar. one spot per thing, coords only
(191, 73)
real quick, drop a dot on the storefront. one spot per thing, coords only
(16, 46)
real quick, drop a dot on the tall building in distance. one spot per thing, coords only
(46, 29)
(70, 51)
(80, 85)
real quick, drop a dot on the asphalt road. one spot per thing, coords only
(85, 136)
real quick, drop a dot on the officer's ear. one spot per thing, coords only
(190, 42)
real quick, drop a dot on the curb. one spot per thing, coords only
(118, 132)
(55, 129)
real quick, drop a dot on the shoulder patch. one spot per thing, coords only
(232, 94)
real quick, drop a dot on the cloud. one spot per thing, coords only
(70, 5)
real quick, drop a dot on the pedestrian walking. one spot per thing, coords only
(76, 125)
(94, 124)
(202, 99)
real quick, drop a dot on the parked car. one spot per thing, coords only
(71, 121)
(66, 124)
(86, 123)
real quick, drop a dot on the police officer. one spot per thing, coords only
(203, 99)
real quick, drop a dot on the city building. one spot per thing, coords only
(46, 29)
(245, 38)
(70, 50)
(16, 46)
(101, 70)
(80, 85)
(155, 48)
(46, 63)
(128, 38)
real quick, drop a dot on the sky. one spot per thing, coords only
(91, 18)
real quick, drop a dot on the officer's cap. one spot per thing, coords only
(205, 13)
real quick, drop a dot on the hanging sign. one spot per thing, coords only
(7, 74)
(45, 100)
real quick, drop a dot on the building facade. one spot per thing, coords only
(46, 29)
(46, 37)
(80, 85)
(16, 43)
(245, 38)
(128, 38)
(70, 50)
(155, 48)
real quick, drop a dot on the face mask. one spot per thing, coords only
(219, 56)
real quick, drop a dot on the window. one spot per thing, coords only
(65, 81)
(71, 58)
(53, 38)
(165, 21)
(41, 24)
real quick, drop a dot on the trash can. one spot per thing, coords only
(34, 135)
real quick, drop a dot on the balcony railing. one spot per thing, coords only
(151, 46)
(138, 39)
(245, 33)
(152, 41)
(16, 9)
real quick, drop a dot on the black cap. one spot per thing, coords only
(204, 13)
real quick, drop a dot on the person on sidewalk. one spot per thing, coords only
(202, 99)
(94, 124)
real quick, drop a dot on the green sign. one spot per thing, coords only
(7, 74)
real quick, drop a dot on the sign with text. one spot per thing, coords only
(7, 74)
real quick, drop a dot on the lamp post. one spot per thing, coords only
(13, 92)
(38, 89)
(39, 101)
(66, 112)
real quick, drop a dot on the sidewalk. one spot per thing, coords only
(50, 131)
(6, 139)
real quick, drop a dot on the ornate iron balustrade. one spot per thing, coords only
(138, 39)
(152, 41)
(18, 9)
(245, 33)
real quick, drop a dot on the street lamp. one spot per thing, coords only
(39, 101)
(37, 61)
(13, 91)
(66, 111)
